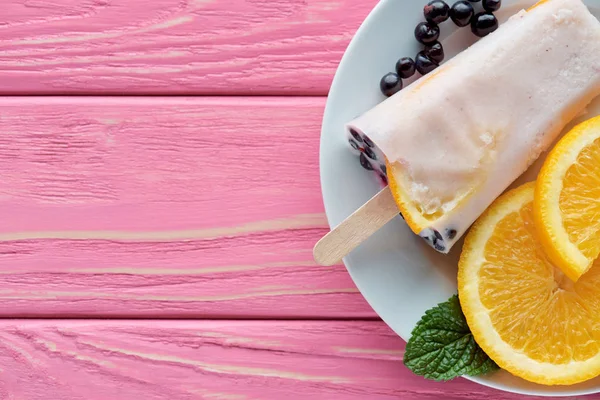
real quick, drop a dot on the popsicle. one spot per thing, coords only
(454, 140)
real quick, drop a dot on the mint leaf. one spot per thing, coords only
(442, 346)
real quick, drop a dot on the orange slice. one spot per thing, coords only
(567, 200)
(530, 318)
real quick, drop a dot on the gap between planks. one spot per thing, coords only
(163, 95)
(184, 317)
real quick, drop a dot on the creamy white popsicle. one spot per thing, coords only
(457, 138)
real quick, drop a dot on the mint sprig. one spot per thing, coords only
(442, 346)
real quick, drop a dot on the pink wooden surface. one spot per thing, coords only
(163, 208)
(183, 360)
(174, 46)
(203, 207)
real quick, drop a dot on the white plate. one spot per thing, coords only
(397, 273)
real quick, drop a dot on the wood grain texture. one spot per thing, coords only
(168, 207)
(174, 46)
(241, 360)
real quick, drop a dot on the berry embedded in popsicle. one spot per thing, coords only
(369, 156)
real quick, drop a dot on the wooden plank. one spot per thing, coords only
(223, 360)
(174, 46)
(170, 207)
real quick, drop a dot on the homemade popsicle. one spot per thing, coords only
(453, 141)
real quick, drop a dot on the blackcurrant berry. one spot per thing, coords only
(365, 162)
(435, 52)
(368, 141)
(437, 11)
(492, 5)
(370, 153)
(427, 32)
(424, 64)
(483, 24)
(390, 84)
(405, 67)
(461, 13)
(356, 136)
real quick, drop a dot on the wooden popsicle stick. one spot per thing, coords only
(357, 228)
